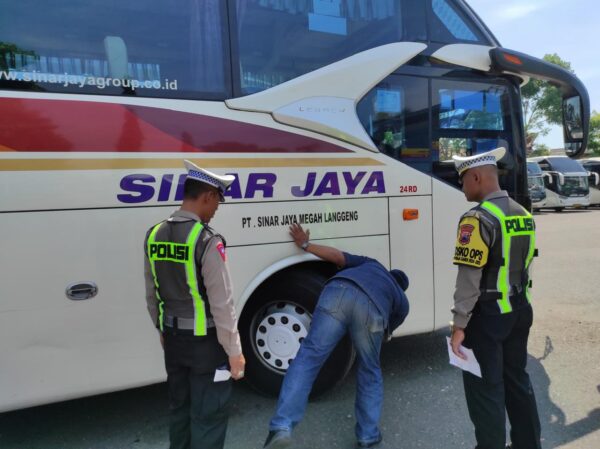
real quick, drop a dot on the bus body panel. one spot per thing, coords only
(87, 213)
(411, 250)
(554, 200)
(594, 196)
(448, 206)
(54, 348)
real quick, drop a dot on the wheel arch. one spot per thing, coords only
(300, 261)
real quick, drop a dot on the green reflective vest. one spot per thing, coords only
(180, 253)
(511, 227)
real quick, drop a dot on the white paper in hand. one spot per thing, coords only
(221, 375)
(471, 365)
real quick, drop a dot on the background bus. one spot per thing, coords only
(568, 185)
(535, 183)
(341, 115)
(592, 165)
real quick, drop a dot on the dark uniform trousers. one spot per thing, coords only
(499, 342)
(199, 406)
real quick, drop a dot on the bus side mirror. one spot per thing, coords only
(573, 126)
(561, 178)
(596, 177)
(549, 176)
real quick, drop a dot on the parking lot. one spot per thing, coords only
(424, 404)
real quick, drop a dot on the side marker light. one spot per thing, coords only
(513, 59)
(410, 214)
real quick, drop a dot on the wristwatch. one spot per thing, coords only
(304, 245)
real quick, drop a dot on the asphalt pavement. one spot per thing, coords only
(424, 404)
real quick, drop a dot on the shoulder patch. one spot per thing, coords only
(470, 248)
(221, 249)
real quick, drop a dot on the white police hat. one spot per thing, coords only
(221, 182)
(463, 163)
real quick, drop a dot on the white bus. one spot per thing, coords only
(535, 182)
(592, 165)
(340, 114)
(566, 182)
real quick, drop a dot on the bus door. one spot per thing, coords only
(423, 121)
(395, 114)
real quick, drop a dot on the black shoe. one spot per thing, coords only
(278, 439)
(363, 445)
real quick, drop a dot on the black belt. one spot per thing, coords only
(487, 304)
(185, 326)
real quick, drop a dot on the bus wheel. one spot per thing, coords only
(274, 324)
(559, 209)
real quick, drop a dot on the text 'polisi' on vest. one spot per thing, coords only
(519, 224)
(167, 250)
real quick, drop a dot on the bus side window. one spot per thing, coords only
(396, 116)
(280, 40)
(450, 26)
(149, 48)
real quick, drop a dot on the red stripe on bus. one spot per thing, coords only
(81, 126)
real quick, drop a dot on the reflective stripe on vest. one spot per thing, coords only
(511, 226)
(179, 253)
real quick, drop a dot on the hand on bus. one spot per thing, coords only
(456, 339)
(162, 340)
(237, 364)
(299, 235)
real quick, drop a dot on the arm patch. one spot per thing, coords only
(470, 248)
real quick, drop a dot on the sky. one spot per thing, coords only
(569, 28)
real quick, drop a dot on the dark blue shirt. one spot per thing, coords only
(379, 285)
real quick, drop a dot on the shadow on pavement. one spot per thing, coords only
(424, 407)
(555, 431)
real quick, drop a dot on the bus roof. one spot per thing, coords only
(563, 164)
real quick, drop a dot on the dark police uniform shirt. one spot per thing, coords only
(483, 233)
(210, 254)
(379, 285)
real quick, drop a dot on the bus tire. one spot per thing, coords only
(275, 321)
(559, 209)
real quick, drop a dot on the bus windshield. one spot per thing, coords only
(533, 168)
(574, 186)
(535, 183)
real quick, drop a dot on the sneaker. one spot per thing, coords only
(278, 439)
(362, 444)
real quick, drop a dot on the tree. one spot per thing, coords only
(7, 54)
(540, 150)
(542, 104)
(594, 142)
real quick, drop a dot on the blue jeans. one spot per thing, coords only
(342, 307)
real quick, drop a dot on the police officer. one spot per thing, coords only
(492, 313)
(189, 297)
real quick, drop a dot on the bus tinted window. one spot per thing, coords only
(448, 25)
(152, 48)
(396, 116)
(281, 40)
(469, 118)
(472, 108)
